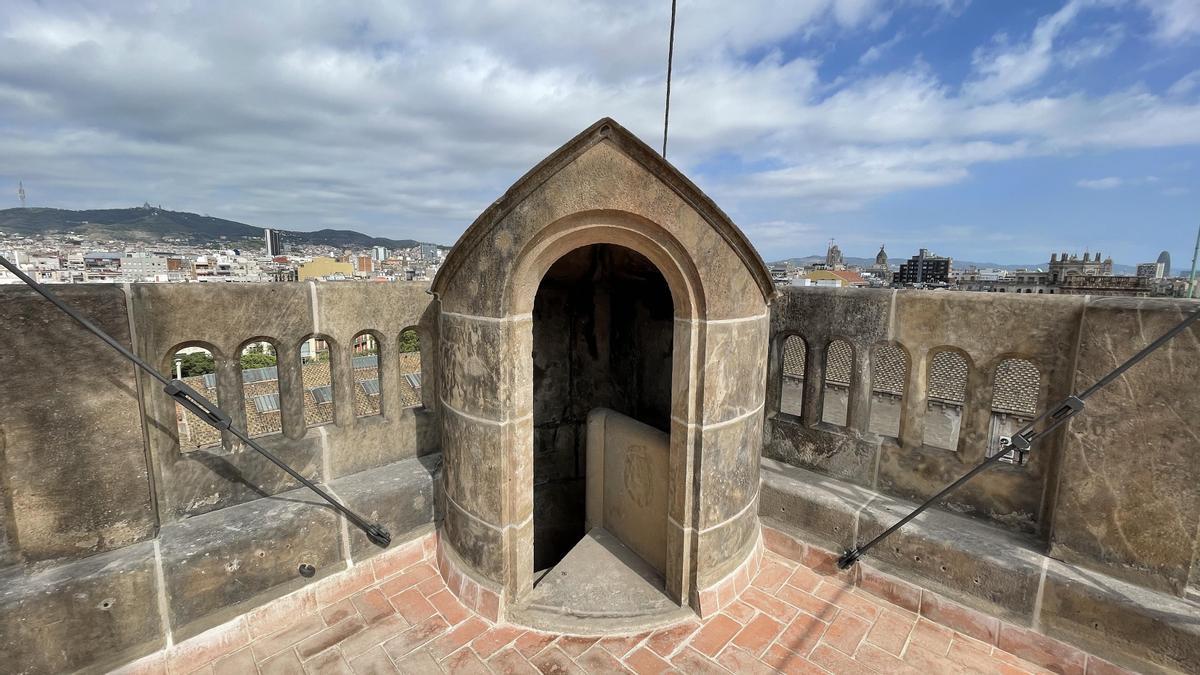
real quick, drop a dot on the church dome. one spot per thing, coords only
(881, 257)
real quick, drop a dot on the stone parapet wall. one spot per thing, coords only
(114, 539)
(1117, 490)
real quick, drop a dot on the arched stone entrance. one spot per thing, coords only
(603, 326)
(603, 188)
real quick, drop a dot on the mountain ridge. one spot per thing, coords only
(150, 223)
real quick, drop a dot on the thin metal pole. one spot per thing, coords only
(1192, 276)
(375, 532)
(670, 59)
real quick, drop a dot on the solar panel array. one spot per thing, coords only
(252, 375)
(265, 403)
(371, 387)
(365, 362)
(322, 394)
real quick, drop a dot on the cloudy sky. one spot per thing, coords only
(986, 130)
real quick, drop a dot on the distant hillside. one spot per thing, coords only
(958, 264)
(151, 224)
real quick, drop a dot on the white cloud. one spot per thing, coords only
(1185, 85)
(846, 177)
(407, 121)
(1111, 182)
(1092, 48)
(1176, 20)
(1107, 183)
(877, 51)
(781, 234)
(1004, 68)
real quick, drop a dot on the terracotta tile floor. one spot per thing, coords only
(792, 620)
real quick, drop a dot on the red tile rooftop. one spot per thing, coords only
(794, 618)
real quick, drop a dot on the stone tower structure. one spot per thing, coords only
(605, 257)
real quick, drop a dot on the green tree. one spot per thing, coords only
(197, 363)
(257, 360)
(410, 341)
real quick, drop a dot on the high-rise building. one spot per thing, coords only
(274, 242)
(924, 268)
(379, 253)
(1164, 259)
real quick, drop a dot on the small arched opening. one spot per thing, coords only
(195, 365)
(835, 395)
(791, 386)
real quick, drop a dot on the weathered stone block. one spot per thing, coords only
(836, 453)
(519, 477)
(518, 558)
(627, 478)
(474, 452)
(973, 563)
(472, 367)
(823, 505)
(210, 479)
(398, 496)
(735, 368)
(721, 549)
(344, 310)
(1139, 628)
(71, 444)
(680, 568)
(680, 492)
(220, 564)
(102, 610)
(729, 469)
(477, 543)
(1007, 495)
(166, 316)
(378, 441)
(823, 314)
(1129, 493)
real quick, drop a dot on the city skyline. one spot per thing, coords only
(866, 257)
(994, 133)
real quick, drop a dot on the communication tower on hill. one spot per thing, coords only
(21, 192)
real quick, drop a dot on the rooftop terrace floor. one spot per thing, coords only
(792, 618)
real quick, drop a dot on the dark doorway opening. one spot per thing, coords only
(603, 325)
